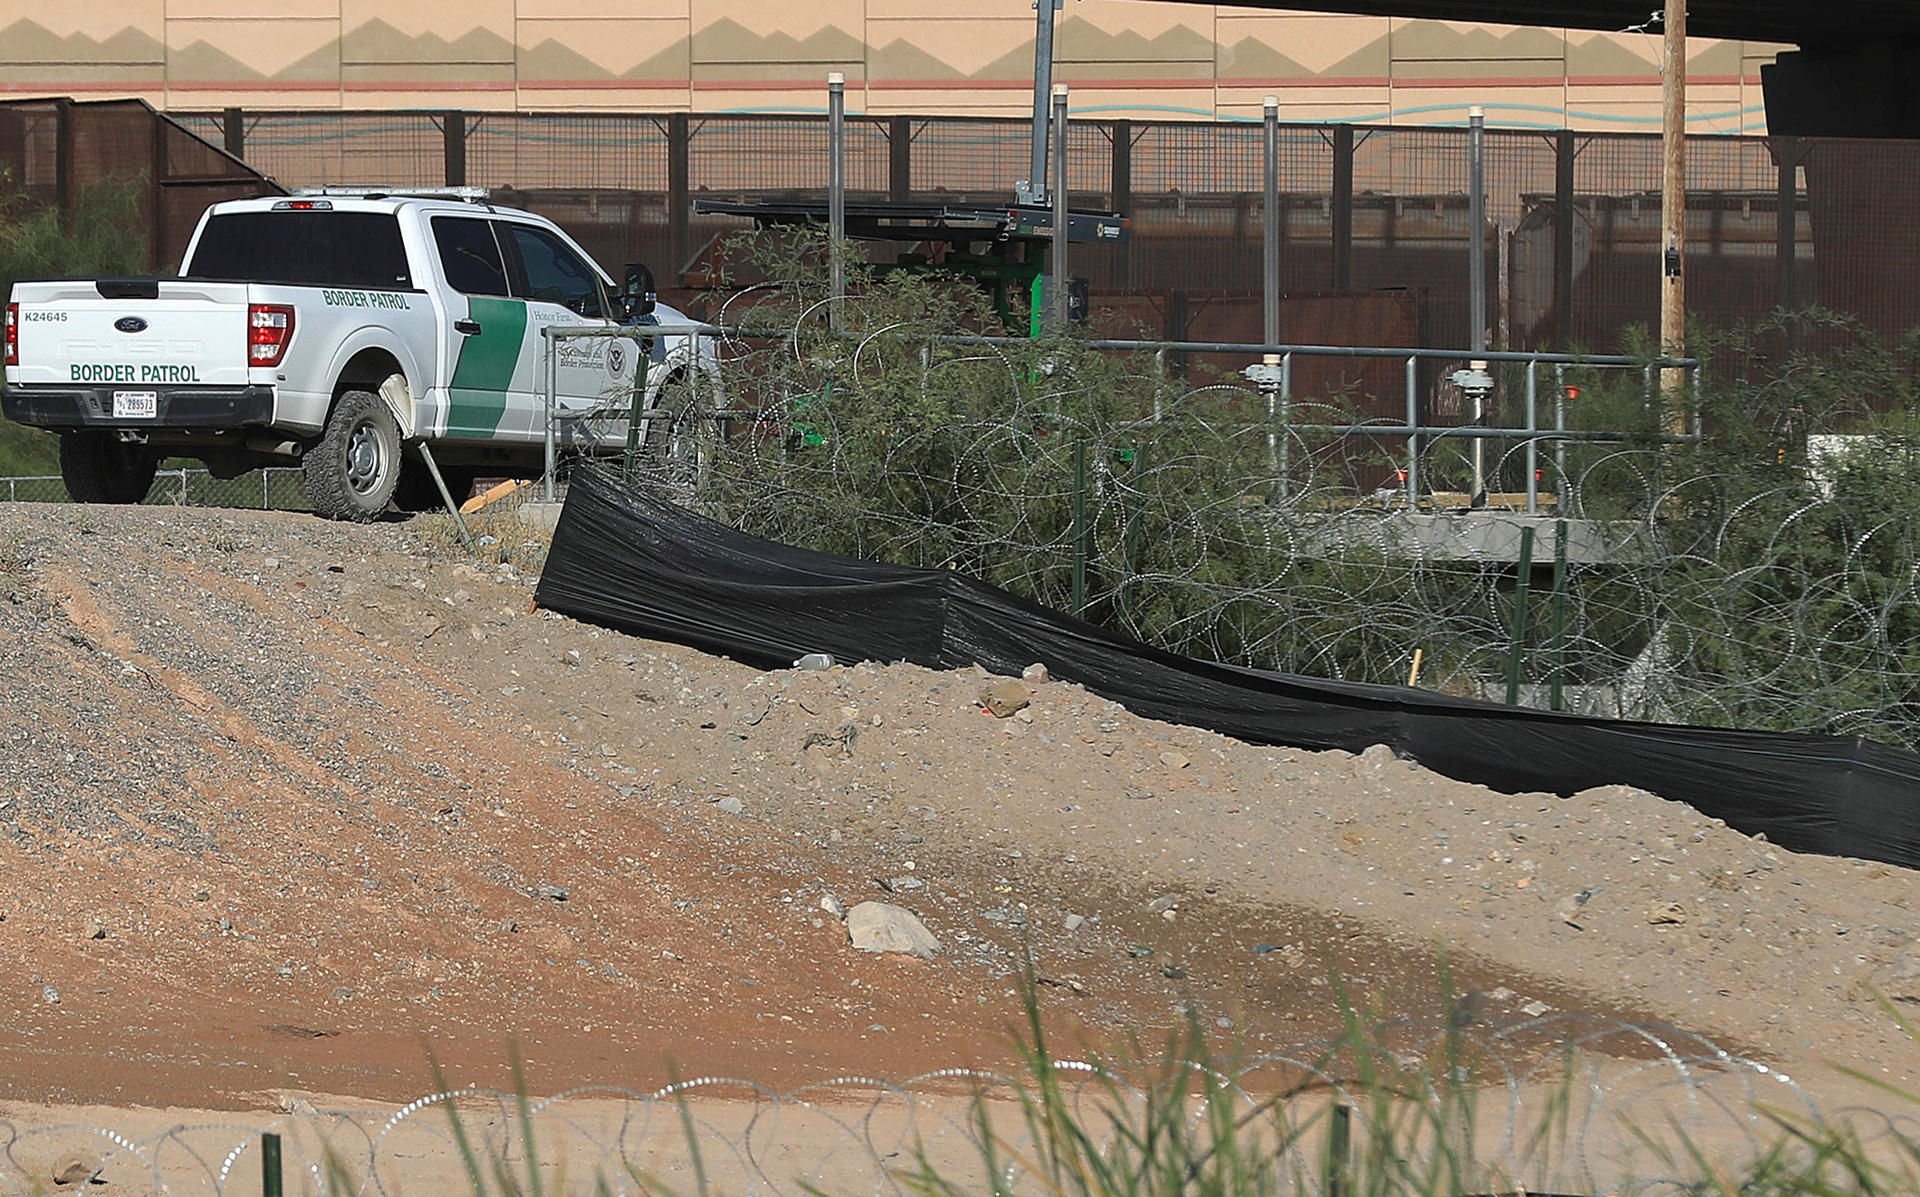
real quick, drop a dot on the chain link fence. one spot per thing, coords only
(1556, 1104)
(272, 489)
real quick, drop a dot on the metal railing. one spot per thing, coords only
(1272, 377)
(634, 412)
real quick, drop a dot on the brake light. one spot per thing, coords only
(269, 328)
(13, 334)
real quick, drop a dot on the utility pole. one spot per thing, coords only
(1033, 189)
(1270, 226)
(837, 192)
(1477, 286)
(1673, 208)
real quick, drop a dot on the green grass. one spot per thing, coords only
(1370, 1114)
(27, 452)
(101, 235)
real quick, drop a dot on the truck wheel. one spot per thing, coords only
(351, 473)
(98, 467)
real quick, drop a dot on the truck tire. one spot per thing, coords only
(98, 467)
(352, 472)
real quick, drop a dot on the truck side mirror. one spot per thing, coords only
(638, 296)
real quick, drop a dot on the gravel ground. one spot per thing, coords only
(282, 800)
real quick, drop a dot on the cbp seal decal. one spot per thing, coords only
(616, 357)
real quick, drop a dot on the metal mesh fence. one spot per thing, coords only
(757, 156)
(56, 149)
(398, 149)
(1555, 1105)
(1572, 270)
(572, 153)
(968, 159)
(273, 489)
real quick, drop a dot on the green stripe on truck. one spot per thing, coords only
(477, 397)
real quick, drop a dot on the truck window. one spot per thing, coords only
(469, 255)
(555, 273)
(327, 249)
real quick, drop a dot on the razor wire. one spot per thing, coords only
(1561, 1103)
(1580, 559)
(1171, 499)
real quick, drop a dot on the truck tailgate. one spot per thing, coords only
(181, 331)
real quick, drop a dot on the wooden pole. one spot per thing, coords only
(1673, 210)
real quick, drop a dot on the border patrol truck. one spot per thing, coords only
(332, 330)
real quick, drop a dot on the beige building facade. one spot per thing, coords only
(1123, 58)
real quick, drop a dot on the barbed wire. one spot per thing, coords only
(1560, 1103)
(1198, 515)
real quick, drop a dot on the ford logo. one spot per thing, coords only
(130, 324)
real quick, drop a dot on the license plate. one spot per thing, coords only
(135, 405)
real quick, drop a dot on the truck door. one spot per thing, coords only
(563, 289)
(492, 373)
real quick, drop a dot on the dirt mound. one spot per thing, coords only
(286, 803)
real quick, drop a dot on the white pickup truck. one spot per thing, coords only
(333, 330)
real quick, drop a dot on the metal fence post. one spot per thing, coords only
(1057, 301)
(1035, 191)
(1123, 198)
(1786, 245)
(1563, 202)
(233, 132)
(1286, 414)
(1560, 443)
(837, 190)
(679, 201)
(1476, 229)
(1533, 446)
(1477, 283)
(1522, 581)
(637, 405)
(1339, 1150)
(1413, 438)
(1343, 207)
(272, 1178)
(1558, 653)
(454, 127)
(63, 181)
(900, 159)
(156, 194)
(1079, 532)
(549, 384)
(1270, 222)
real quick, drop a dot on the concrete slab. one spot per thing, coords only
(538, 515)
(1475, 535)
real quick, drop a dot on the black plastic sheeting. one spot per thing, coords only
(647, 567)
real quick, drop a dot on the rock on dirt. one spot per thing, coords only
(1004, 697)
(884, 927)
